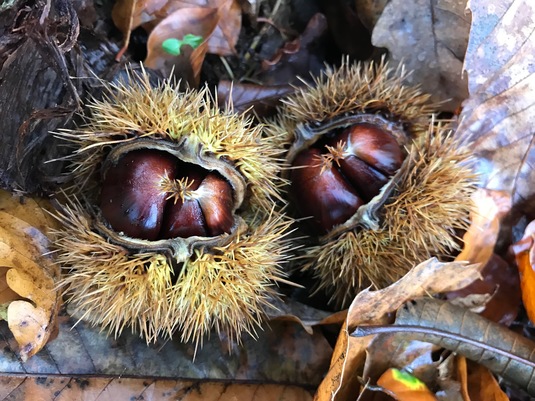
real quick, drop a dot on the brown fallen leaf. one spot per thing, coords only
(524, 251)
(499, 349)
(299, 58)
(26, 388)
(497, 121)
(499, 279)
(372, 307)
(261, 99)
(186, 66)
(130, 14)
(27, 277)
(481, 385)
(430, 38)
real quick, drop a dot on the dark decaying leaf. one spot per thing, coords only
(498, 120)
(283, 353)
(28, 388)
(499, 349)
(430, 38)
(261, 99)
(349, 34)
(33, 61)
(198, 21)
(501, 282)
(301, 57)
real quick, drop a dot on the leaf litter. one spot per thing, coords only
(496, 121)
(30, 302)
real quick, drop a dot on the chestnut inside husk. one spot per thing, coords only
(341, 165)
(170, 222)
(342, 171)
(378, 184)
(150, 194)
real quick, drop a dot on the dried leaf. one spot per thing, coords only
(497, 294)
(499, 279)
(370, 11)
(261, 99)
(524, 251)
(187, 66)
(130, 14)
(430, 277)
(299, 58)
(481, 385)
(404, 386)
(479, 240)
(501, 350)
(430, 37)
(498, 119)
(27, 278)
(283, 353)
(372, 307)
(117, 388)
(349, 33)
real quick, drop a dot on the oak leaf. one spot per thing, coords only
(27, 291)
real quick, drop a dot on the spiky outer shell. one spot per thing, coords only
(226, 284)
(417, 215)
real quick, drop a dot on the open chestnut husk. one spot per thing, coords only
(169, 224)
(378, 185)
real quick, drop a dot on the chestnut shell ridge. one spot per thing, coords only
(335, 176)
(152, 195)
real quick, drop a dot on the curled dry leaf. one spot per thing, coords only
(480, 238)
(478, 383)
(501, 350)
(498, 119)
(187, 66)
(372, 307)
(299, 58)
(497, 293)
(430, 37)
(27, 276)
(261, 99)
(130, 14)
(524, 251)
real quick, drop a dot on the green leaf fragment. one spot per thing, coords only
(173, 46)
(408, 380)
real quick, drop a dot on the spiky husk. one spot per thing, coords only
(352, 89)
(422, 218)
(226, 287)
(135, 109)
(430, 202)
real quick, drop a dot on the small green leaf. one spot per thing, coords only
(172, 45)
(408, 380)
(192, 40)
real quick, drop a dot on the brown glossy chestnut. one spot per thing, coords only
(332, 179)
(321, 192)
(152, 195)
